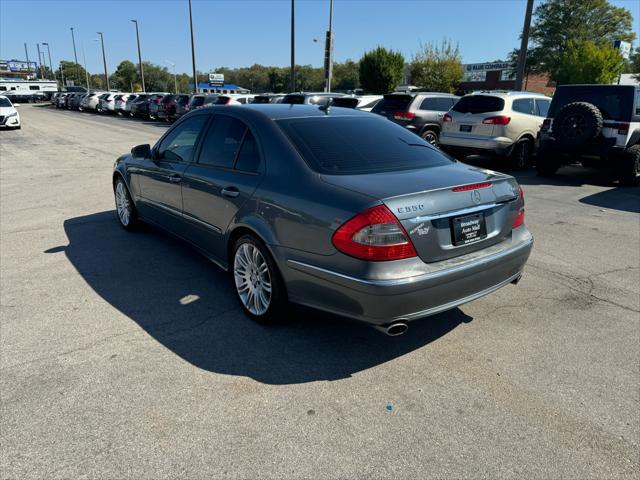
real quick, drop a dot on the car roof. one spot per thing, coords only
(279, 111)
(504, 94)
(415, 94)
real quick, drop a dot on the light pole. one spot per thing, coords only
(104, 62)
(144, 90)
(522, 56)
(50, 64)
(39, 59)
(193, 53)
(293, 47)
(175, 78)
(86, 72)
(26, 52)
(73, 39)
(329, 49)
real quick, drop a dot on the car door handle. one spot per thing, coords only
(175, 178)
(231, 192)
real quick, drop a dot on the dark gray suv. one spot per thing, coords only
(419, 112)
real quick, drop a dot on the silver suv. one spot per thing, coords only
(597, 125)
(503, 124)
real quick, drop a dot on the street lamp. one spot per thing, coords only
(144, 90)
(104, 61)
(329, 47)
(293, 47)
(50, 64)
(193, 53)
(175, 78)
(73, 39)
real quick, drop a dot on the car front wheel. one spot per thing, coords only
(125, 208)
(257, 280)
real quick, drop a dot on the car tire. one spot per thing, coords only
(125, 208)
(520, 156)
(257, 281)
(629, 167)
(577, 123)
(546, 164)
(431, 136)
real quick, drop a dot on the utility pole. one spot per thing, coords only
(144, 90)
(73, 39)
(26, 52)
(50, 64)
(39, 60)
(193, 53)
(104, 61)
(293, 47)
(524, 43)
(86, 72)
(328, 67)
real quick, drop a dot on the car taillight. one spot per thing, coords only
(623, 128)
(546, 125)
(374, 235)
(404, 115)
(519, 220)
(473, 186)
(447, 118)
(499, 120)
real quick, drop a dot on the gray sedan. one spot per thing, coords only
(332, 208)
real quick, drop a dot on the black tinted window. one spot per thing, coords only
(262, 99)
(348, 145)
(178, 145)
(542, 107)
(615, 102)
(293, 99)
(197, 101)
(4, 102)
(345, 102)
(221, 144)
(393, 103)
(479, 104)
(524, 105)
(248, 157)
(436, 104)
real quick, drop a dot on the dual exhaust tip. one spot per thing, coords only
(394, 329)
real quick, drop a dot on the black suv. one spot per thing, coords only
(597, 125)
(419, 112)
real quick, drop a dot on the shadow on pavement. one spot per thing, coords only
(187, 304)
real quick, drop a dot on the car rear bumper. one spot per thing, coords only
(500, 146)
(443, 285)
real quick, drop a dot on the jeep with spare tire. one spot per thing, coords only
(596, 125)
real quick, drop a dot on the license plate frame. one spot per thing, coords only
(466, 128)
(468, 229)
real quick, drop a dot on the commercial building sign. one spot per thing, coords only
(17, 67)
(623, 47)
(216, 79)
(477, 72)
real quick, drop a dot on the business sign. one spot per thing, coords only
(623, 47)
(17, 67)
(216, 79)
(477, 72)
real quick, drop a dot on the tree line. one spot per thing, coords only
(571, 41)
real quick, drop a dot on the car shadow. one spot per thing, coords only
(187, 304)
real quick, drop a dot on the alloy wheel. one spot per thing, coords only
(252, 279)
(123, 205)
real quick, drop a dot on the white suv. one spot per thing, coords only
(597, 125)
(505, 124)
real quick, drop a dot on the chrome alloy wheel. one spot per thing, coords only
(252, 278)
(123, 205)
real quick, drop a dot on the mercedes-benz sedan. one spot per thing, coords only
(332, 208)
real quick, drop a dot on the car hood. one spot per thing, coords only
(4, 111)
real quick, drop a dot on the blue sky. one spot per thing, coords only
(242, 32)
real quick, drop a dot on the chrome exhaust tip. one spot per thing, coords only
(393, 329)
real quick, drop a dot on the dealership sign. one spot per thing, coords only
(477, 72)
(17, 66)
(623, 47)
(216, 79)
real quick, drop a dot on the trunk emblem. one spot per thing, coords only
(475, 196)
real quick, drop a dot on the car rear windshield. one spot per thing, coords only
(197, 101)
(393, 103)
(479, 104)
(293, 99)
(182, 99)
(345, 102)
(615, 102)
(359, 145)
(168, 98)
(262, 99)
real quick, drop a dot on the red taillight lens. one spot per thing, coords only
(623, 128)
(404, 115)
(375, 235)
(447, 118)
(499, 120)
(546, 125)
(519, 220)
(473, 186)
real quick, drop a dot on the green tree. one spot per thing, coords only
(437, 68)
(381, 70)
(634, 61)
(73, 72)
(126, 75)
(557, 22)
(586, 62)
(346, 76)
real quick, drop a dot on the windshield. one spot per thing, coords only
(615, 102)
(479, 104)
(393, 103)
(293, 99)
(4, 102)
(358, 145)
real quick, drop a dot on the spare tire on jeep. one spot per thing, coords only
(577, 123)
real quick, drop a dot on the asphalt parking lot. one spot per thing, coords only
(126, 356)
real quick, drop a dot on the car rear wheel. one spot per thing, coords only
(257, 280)
(520, 155)
(125, 208)
(629, 167)
(430, 136)
(547, 163)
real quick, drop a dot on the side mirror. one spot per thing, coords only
(141, 151)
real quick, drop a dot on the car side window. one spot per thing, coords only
(222, 141)
(178, 145)
(542, 107)
(248, 156)
(436, 104)
(524, 105)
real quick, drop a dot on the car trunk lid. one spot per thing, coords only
(467, 116)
